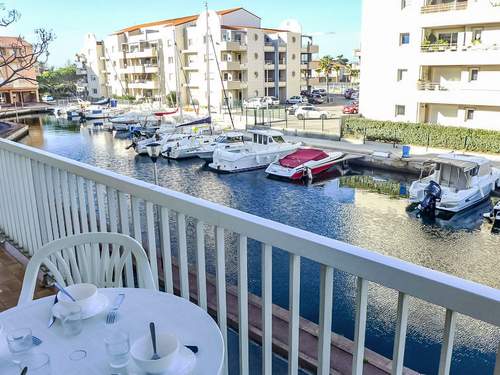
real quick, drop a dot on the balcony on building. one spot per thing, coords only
(232, 40)
(144, 84)
(310, 48)
(434, 6)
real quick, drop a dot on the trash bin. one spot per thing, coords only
(114, 103)
(406, 151)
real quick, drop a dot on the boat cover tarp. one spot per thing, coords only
(166, 113)
(205, 120)
(102, 102)
(302, 156)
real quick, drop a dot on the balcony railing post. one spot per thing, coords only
(243, 304)
(325, 319)
(447, 345)
(360, 326)
(220, 271)
(182, 256)
(294, 314)
(400, 334)
(267, 309)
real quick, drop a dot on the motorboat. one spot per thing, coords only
(494, 218)
(98, 112)
(186, 147)
(305, 163)
(266, 146)
(456, 182)
(226, 141)
(133, 119)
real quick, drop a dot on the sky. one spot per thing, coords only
(72, 19)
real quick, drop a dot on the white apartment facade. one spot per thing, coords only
(91, 68)
(154, 59)
(434, 61)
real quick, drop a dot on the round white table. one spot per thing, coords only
(170, 313)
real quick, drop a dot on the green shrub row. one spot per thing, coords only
(432, 135)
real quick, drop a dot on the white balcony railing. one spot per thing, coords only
(44, 197)
(433, 6)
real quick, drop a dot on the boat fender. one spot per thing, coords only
(309, 174)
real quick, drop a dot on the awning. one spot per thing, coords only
(466, 165)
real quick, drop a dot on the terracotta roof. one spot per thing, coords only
(8, 41)
(267, 30)
(175, 21)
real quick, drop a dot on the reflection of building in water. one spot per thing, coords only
(35, 136)
(333, 190)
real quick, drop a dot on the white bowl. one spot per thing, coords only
(168, 347)
(84, 294)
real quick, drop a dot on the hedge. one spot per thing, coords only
(431, 135)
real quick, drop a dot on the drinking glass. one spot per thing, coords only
(71, 316)
(117, 348)
(9, 368)
(19, 340)
(37, 363)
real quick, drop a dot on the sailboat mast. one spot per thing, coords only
(207, 51)
(178, 97)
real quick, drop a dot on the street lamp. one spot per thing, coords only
(154, 150)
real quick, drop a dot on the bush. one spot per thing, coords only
(432, 135)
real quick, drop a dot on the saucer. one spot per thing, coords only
(101, 303)
(184, 363)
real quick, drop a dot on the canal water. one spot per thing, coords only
(367, 209)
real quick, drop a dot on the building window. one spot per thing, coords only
(256, 74)
(226, 77)
(476, 36)
(255, 37)
(170, 60)
(169, 43)
(294, 39)
(404, 38)
(190, 41)
(402, 74)
(469, 114)
(293, 73)
(256, 55)
(94, 91)
(293, 56)
(400, 110)
(473, 74)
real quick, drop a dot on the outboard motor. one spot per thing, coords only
(432, 194)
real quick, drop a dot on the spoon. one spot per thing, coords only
(64, 291)
(153, 340)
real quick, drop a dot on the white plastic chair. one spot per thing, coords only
(87, 258)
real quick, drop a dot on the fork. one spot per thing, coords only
(112, 314)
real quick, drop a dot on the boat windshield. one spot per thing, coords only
(278, 139)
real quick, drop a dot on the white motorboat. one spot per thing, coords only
(266, 146)
(165, 140)
(133, 119)
(304, 163)
(185, 147)
(457, 182)
(228, 140)
(98, 112)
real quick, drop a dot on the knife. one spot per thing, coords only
(52, 317)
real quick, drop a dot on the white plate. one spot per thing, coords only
(101, 303)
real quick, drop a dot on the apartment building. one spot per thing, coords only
(152, 60)
(23, 87)
(434, 61)
(91, 68)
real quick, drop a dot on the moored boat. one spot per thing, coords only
(226, 141)
(456, 183)
(266, 146)
(305, 163)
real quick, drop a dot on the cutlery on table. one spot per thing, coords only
(25, 370)
(112, 314)
(153, 340)
(52, 317)
(64, 291)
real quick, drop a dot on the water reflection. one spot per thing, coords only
(367, 209)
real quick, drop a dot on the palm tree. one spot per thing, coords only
(326, 66)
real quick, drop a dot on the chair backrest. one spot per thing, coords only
(97, 258)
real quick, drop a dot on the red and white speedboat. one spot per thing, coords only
(304, 163)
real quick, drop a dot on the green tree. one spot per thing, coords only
(326, 66)
(59, 82)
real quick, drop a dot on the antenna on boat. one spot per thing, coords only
(207, 51)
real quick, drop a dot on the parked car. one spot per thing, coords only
(316, 99)
(254, 103)
(321, 92)
(293, 108)
(305, 93)
(295, 100)
(270, 101)
(348, 93)
(310, 112)
(355, 95)
(47, 98)
(351, 109)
